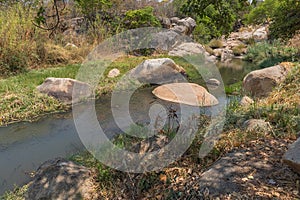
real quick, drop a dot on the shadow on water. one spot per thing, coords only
(25, 146)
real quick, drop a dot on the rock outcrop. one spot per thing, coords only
(183, 26)
(63, 89)
(192, 48)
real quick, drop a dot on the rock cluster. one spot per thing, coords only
(235, 45)
(184, 26)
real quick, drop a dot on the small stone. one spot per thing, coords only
(213, 83)
(256, 125)
(245, 101)
(113, 73)
(70, 46)
(272, 182)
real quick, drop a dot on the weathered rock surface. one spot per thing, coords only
(260, 83)
(62, 179)
(158, 71)
(256, 125)
(63, 89)
(186, 93)
(245, 101)
(183, 26)
(72, 27)
(292, 156)
(191, 48)
(188, 48)
(113, 73)
(246, 34)
(224, 54)
(250, 167)
(167, 39)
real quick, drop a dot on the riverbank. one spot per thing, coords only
(20, 100)
(252, 159)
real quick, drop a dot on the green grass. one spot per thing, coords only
(234, 88)
(266, 54)
(21, 101)
(17, 194)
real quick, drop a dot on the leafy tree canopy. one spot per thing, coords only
(217, 17)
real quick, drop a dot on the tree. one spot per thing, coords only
(217, 16)
(263, 12)
(285, 20)
(283, 16)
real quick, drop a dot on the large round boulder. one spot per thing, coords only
(158, 71)
(259, 83)
(186, 93)
(63, 89)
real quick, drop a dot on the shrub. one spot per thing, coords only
(239, 50)
(17, 35)
(140, 18)
(215, 44)
(267, 54)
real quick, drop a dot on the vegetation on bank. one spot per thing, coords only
(265, 54)
(28, 56)
(22, 102)
(281, 109)
(35, 35)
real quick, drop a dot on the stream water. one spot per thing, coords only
(24, 146)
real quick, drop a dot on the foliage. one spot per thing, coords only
(286, 20)
(263, 12)
(267, 54)
(239, 50)
(17, 194)
(17, 39)
(90, 8)
(215, 44)
(140, 18)
(216, 17)
(284, 16)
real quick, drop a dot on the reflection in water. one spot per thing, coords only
(234, 71)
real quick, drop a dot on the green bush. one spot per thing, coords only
(284, 16)
(286, 20)
(215, 44)
(140, 18)
(214, 17)
(263, 12)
